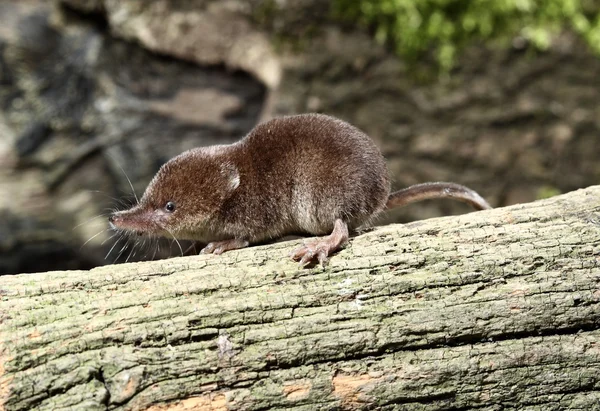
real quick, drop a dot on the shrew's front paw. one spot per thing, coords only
(219, 247)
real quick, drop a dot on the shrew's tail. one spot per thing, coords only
(428, 191)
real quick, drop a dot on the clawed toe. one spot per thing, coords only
(210, 247)
(219, 247)
(307, 253)
(297, 253)
(321, 249)
(213, 248)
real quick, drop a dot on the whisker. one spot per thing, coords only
(111, 248)
(155, 249)
(122, 249)
(177, 241)
(88, 221)
(142, 246)
(92, 237)
(151, 241)
(133, 251)
(118, 200)
(109, 238)
(126, 176)
(146, 249)
(193, 245)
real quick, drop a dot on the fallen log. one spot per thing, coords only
(498, 309)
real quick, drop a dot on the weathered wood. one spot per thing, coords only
(498, 309)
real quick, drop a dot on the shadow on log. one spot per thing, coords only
(495, 309)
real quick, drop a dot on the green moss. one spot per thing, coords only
(445, 26)
(547, 192)
(264, 12)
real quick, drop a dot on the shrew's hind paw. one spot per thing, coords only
(320, 249)
(307, 253)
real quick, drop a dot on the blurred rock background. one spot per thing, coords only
(92, 91)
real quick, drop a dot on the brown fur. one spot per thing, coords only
(290, 175)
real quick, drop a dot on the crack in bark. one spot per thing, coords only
(99, 375)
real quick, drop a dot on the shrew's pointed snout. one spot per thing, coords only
(115, 220)
(134, 220)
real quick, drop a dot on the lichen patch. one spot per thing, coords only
(5, 383)
(126, 384)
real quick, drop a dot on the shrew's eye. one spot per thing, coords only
(170, 207)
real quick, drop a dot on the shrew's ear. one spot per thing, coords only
(231, 174)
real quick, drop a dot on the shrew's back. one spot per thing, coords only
(321, 167)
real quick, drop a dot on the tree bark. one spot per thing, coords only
(492, 310)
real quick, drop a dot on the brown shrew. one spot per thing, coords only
(303, 174)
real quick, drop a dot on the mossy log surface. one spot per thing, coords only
(492, 310)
